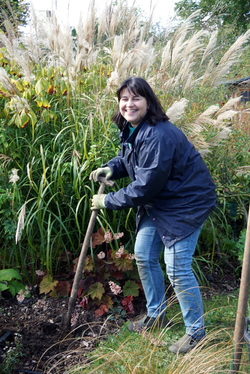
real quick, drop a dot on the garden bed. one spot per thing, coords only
(44, 345)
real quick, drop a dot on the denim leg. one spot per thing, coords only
(178, 259)
(148, 247)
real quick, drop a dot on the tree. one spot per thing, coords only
(218, 13)
(15, 11)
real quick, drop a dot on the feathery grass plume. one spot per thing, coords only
(230, 57)
(223, 134)
(86, 54)
(89, 24)
(228, 115)
(60, 43)
(113, 81)
(139, 59)
(129, 51)
(181, 56)
(4, 160)
(230, 104)
(7, 84)
(166, 55)
(113, 20)
(16, 53)
(20, 223)
(211, 46)
(243, 170)
(189, 82)
(171, 53)
(175, 112)
(21, 56)
(210, 111)
(208, 71)
(185, 70)
(193, 49)
(104, 21)
(33, 40)
(209, 117)
(195, 43)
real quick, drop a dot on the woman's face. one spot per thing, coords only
(133, 107)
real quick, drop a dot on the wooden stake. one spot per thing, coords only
(240, 323)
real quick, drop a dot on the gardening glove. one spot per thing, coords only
(97, 202)
(100, 173)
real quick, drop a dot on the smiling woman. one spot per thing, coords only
(133, 107)
(174, 194)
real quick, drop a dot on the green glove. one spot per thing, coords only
(97, 202)
(105, 173)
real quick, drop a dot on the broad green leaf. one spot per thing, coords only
(130, 288)
(15, 286)
(48, 115)
(47, 284)
(33, 117)
(9, 274)
(24, 119)
(3, 286)
(96, 290)
(42, 85)
(42, 103)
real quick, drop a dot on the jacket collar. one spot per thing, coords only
(125, 133)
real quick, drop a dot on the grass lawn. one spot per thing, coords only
(147, 353)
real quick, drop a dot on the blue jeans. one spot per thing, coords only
(178, 260)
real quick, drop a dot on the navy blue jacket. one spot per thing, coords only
(170, 181)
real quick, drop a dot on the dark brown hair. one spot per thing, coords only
(139, 86)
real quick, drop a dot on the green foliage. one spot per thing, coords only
(11, 355)
(126, 352)
(220, 13)
(55, 125)
(109, 280)
(240, 245)
(14, 11)
(10, 279)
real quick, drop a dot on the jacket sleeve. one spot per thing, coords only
(118, 168)
(154, 162)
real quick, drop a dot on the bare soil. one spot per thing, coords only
(46, 348)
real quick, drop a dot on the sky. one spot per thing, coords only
(70, 10)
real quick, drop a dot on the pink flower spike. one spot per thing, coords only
(120, 251)
(108, 236)
(115, 288)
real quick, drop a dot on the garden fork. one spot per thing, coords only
(66, 321)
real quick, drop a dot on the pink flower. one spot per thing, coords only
(118, 235)
(40, 273)
(20, 296)
(108, 236)
(84, 301)
(115, 289)
(120, 251)
(101, 255)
